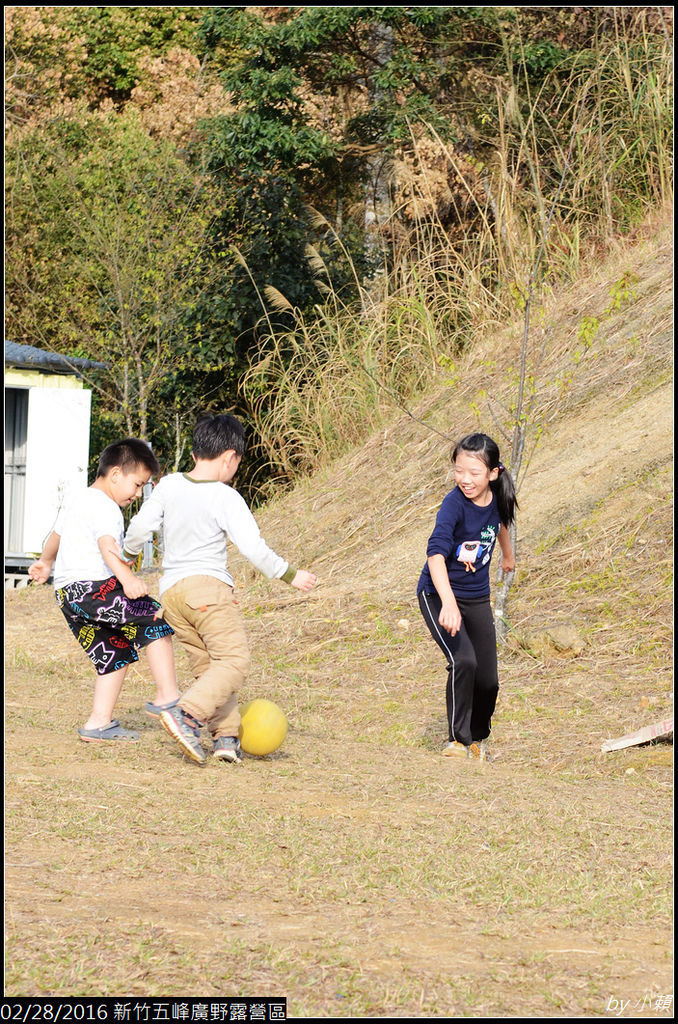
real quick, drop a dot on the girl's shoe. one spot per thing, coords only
(227, 748)
(456, 749)
(479, 750)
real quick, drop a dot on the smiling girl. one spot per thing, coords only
(454, 588)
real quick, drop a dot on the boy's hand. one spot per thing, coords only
(39, 571)
(135, 588)
(304, 580)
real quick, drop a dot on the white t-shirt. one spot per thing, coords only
(86, 516)
(197, 519)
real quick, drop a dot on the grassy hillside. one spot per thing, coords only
(358, 872)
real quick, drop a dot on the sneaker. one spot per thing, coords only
(227, 748)
(456, 749)
(186, 731)
(154, 710)
(478, 749)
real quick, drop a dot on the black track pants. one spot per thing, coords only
(472, 681)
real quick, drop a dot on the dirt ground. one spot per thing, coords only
(356, 871)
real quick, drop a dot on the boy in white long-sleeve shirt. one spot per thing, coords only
(198, 515)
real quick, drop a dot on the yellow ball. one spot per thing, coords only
(263, 727)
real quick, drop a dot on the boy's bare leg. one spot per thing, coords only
(106, 692)
(160, 655)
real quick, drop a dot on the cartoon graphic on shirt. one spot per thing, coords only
(473, 552)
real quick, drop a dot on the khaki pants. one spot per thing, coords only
(209, 625)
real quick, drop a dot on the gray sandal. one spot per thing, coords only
(113, 731)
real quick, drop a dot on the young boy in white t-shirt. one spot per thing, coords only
(198, 513)
(106, 606)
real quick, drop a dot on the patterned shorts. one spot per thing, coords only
(109, 626)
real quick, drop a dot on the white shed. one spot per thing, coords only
(47, 424)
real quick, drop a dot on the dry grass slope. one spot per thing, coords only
(356, 871)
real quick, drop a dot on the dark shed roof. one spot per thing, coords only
(31, 357)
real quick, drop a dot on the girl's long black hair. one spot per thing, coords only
(483, 447)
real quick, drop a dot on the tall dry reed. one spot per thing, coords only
(559, 177)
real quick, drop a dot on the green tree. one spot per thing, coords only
(95, 54)
(324, 99)
(107, 258)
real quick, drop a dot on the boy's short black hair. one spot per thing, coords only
(216, 433)
(128, 454)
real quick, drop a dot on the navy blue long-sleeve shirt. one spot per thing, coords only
(463, 533)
